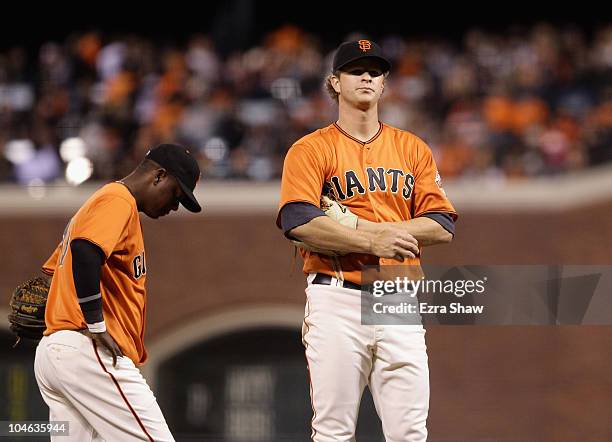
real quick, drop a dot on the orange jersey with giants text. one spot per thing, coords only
(392, 177)
(109, 219)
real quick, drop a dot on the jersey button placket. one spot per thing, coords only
(367, 150)
(368, 159)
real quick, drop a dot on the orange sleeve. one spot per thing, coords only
(51, 264)
(429, 196)
(104, 223)
(303, 177)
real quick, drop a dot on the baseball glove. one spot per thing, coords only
(337, 212)
(27, 316)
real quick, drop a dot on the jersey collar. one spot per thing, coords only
(380, 128)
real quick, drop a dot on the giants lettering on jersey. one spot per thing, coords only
(379, 180)
(139, 266)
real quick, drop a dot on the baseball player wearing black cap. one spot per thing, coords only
(388, 179)
(86, 363)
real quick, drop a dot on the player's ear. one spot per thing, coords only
(334, 80)
(159, 174)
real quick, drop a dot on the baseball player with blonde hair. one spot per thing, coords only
(387, 177)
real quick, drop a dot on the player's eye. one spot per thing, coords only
(360, 71)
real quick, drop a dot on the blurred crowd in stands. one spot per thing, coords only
(512, 104)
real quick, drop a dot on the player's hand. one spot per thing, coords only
(390, 241)
(106, 340)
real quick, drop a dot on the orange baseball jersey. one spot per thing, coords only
(109, 219)
(392, 177)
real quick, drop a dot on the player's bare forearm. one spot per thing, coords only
(426, 231)
(325, 233)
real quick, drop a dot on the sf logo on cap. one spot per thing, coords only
(365, 45)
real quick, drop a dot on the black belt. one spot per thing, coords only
(323, 279)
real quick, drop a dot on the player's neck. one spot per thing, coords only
(132, 183)
(360, 124)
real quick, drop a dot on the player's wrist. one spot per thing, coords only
(368, 242)
(97, 327)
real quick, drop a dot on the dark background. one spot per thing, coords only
(172, 23)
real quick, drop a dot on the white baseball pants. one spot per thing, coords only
(344, 356)
(78, 382)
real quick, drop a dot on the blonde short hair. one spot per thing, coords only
(329, 88)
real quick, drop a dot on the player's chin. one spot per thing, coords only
(153, 214)
(366, 98)
(365, 103)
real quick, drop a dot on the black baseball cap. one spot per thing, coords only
(180, 163)
(355, 50)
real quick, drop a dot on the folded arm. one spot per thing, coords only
(314, 228)
(427, 231)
